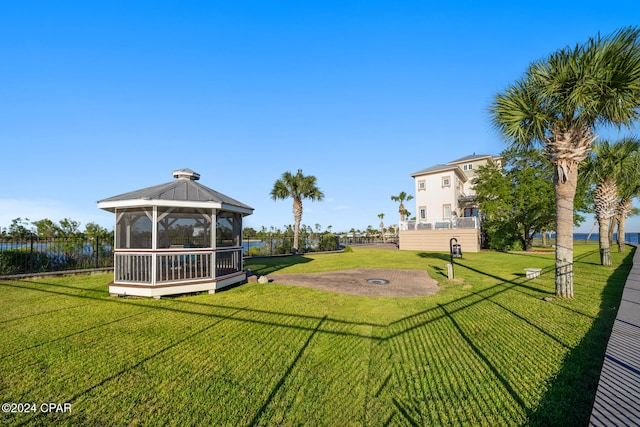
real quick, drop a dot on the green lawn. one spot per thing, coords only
(486, 350)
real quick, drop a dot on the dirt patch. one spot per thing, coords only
(386, 283)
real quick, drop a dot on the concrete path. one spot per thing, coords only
(617, 400)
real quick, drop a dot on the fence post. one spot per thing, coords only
(31, 253)
(97, 252)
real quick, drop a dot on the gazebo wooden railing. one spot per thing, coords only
(134, 266)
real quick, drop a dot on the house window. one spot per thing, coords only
(469, 212)
(422, 185)
(464, 167)
(423, 212)
(446, 211)
(446, 181)
(470, 166)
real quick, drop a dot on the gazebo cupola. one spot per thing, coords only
(175, 238)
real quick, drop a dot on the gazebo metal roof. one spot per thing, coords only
(184, 191)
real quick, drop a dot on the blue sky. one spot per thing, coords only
(98, 98)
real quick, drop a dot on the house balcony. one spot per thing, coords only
(464, 200)
(451, 223)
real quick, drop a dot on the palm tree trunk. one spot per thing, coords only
(605, 199)
(613, 222)
(624, 209)
(297, 218)
(620, 239)
(565, 194)
(605, 247)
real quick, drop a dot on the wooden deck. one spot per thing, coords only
(618, 395)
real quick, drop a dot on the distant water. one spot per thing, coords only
(628, 237)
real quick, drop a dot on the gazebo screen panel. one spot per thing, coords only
(228, 229)
(184, 228)
(133, 228)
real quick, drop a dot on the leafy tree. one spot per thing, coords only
(608, 165)
(69, 227)
(516, 201)
(93, 230)
(328, 242)
(297, 187)
(249, 233)
(558, 104)
(20, 228)
(401, 198)
(46, 228)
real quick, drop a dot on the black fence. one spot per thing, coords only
(349, 240)
(36, 255)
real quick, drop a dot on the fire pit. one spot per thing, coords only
(378, 281)
(372, 282)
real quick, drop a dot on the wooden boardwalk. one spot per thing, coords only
(617, 400)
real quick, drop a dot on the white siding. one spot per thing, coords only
(435, 196)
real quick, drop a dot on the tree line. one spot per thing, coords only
(46, 228)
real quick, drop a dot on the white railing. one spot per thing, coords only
(133, 267)
(470, 222)
(179, 265)
(228, 261)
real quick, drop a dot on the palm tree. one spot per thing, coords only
(381, 216)
(558, 103)
(628, 188)
(297, 187)
(402, 197)
(608, 165)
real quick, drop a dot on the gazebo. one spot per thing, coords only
(175, 238)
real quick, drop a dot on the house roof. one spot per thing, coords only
(183, 191)
(453, 165)
(441, 168)
(472, 157)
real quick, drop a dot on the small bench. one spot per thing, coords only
(532, 273)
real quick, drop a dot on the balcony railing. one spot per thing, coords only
(470, 222)
(174, 266)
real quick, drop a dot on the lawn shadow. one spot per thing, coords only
(440, 256)
(570, 397)
(435, 255)
(268, 265)
(555, 408)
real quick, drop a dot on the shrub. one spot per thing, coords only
(328, 242)
(254, 251)
(284, 246)
(19, 261)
